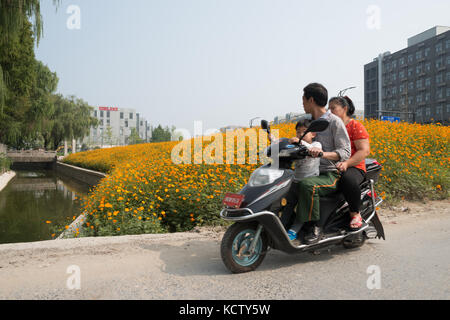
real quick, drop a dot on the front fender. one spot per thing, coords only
(270, 222)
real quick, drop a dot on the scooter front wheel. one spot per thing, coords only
(235, 248)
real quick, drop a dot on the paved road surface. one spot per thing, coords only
(413, 263)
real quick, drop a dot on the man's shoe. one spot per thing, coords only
(313, 236)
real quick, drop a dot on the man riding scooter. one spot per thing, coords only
(336, 147)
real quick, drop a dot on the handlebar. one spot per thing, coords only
(320, 154)
(309, 154)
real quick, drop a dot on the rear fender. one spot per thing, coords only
(378, 226)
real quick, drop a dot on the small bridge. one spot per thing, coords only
(32, 158)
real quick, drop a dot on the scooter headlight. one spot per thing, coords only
(264, 176)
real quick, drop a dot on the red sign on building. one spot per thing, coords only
(108, 109)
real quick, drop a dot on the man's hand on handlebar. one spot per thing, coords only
(316, 152)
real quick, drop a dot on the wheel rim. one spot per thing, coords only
(241, 247)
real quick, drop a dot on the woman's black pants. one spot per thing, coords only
(349, 185)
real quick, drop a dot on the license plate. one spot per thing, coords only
(233, 200)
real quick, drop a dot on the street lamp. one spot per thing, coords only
(251, 121)
(342, 92)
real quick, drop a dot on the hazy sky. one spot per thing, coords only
(222, 62)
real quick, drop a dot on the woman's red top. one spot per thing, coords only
(356, 131)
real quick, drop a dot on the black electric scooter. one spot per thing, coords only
(256, 210)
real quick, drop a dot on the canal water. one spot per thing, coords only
(32, 199)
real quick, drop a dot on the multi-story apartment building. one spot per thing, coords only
(115, 127)
(412, 84)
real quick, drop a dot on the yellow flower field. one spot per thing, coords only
(145, 192)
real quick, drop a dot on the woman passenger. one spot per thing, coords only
(353, 170)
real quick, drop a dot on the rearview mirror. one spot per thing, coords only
(318, 125)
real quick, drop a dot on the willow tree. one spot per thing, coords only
(13, 15)
(19, 67)
(71, 119)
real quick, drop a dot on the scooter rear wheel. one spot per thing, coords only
(235, 248)
(356, 241)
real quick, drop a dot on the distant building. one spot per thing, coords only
(291, 117)
(115, 127)
(412, 84)
(232, 128)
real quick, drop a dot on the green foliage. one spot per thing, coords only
(40, 114)
(160, 134)
(5, 163)
(3, 90)
(128, 226)
(15, 13)
(19, 69)
(108, 136)
(71, 119)
(15, 16)
(134, 137)
(31, 114)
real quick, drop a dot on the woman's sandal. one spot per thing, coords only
(356, 222)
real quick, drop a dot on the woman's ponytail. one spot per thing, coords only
(351, 106)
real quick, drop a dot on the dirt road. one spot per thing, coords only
(413, 263)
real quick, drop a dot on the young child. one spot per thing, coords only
(304, 168)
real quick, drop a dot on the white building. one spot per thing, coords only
(291, 117)
(115, 127)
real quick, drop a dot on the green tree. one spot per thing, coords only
(108, 136)
(134, 137)
(15, 15)
(160, 134)
(39, 117)
(31, 114)
(19, 69)
(71, 119)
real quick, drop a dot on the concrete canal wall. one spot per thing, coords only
(6, 178)
(86, 176)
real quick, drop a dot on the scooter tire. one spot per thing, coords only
(226, 248)
(361, 239)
